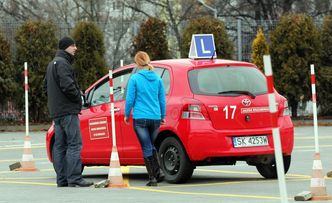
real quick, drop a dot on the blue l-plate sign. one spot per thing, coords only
(202, 46)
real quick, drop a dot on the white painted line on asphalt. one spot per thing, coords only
(13, 148)
(20, 145)
(10, 141)
(16, 160)
(312, 146)
(327, 137)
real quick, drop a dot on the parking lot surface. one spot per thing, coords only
(239, 183)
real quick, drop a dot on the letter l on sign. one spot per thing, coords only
(203, 48)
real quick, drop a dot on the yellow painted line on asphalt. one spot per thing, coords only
(229, 172)
(125, 169)
(244, 172)
(28, 178)
(232, 183)
(28, 183)
(206, 194)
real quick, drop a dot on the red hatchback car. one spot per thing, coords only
(217, 114)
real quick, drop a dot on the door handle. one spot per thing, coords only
(116, 109)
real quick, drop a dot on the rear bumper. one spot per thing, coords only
(203, 142)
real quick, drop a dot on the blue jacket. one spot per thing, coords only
(146, 95)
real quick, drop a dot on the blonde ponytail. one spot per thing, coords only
(142, 59)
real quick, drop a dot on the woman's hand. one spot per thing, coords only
(126, 120)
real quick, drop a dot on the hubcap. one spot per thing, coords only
(171, 160)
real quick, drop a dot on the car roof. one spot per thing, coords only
(192, 63)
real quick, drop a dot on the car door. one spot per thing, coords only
(131, 146)
(96, 120)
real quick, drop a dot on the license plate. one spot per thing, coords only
(250, 141)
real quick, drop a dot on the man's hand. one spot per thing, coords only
(162, 121)
(126, 120)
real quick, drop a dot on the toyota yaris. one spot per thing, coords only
(217, 114)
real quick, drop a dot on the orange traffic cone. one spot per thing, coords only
(27, 163)
(317, 184)
(115, 174)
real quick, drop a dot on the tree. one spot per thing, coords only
(8, 86)
(208, 25)
(295, 45)
(174, 13)
(324, 89)
(152, 39)
(326, 39)
(36, 44)
(259, 48)
(90, 62)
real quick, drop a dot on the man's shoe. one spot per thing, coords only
(82, 183)
(63, 185)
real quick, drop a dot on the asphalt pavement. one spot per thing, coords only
(236, 184)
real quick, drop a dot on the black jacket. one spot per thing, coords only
(63, 93)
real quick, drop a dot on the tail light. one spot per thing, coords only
(194, 109)
(284, 109)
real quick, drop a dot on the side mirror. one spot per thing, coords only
(85, 103)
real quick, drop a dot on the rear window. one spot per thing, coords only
(227, 81)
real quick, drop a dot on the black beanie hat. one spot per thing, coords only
(65, 42)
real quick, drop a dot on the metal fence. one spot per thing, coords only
(241, 32)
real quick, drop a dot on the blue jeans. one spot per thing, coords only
(146, 131)
(67, 149)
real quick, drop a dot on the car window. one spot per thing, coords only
(213, 81)
(120, 85)
(166, 80)
(101, 94)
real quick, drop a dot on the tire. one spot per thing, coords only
(269, 171)
(174, 161)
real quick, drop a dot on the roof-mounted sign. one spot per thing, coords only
(202, 46)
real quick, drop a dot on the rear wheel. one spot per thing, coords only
(270, 170)
(174, 161)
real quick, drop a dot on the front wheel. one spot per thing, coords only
(174, 161)
(269, 171)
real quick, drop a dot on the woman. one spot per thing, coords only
(146, 96)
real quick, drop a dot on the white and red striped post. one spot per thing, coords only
(26, 89)
(27, 163)
(275, 128)
(317, 183)
(114, 174)
(110, 76)
(314, 105)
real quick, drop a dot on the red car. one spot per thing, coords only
(217, 114)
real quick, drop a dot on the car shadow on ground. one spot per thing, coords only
(197, 179)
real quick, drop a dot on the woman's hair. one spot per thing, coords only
(142, 59)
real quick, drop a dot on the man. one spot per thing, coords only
(64, 104)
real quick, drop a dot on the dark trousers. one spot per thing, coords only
(67, 149)
(146, 131)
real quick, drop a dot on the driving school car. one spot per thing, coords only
(217, 114)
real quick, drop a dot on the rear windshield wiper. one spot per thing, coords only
(238, 92)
